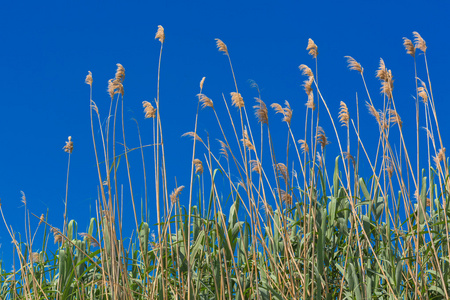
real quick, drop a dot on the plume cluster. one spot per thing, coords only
(385, 76)
(261, 112)
(89, 79)
(312, 48)
(205, 101)
(174, 196)
(149, 110)
(69, 145)
(221, 46)
(354, 65)
(286, 111)
(237, 100)
(115, 85)
(160, 34)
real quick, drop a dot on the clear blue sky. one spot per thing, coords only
(48, 48)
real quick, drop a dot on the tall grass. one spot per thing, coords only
(297, 228)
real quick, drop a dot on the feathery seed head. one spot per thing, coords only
(307, 84)
(246, 141)
(198, 166)
(23, 199)
(374, 112)
(92, 239)
(310, 103)
(304, 146)
(193, 135)
(89, 79)
(261, 112)
(223, 149)
(149, 110)
(175, 194)
(256, 166)
(312, 48)
(120, 73)
(423, 93)
(57, 236)
(202, 82)
(409, 46)
(160, 34)
(221, 46)
(344, 116)
(394, 118)
(69, 145)
(306, 70)
(237, 100)
(283, 171)
(41, 219)
(419, 42)
(205, 101)
(321, 137)
(354, 65)
(286, 111)
(285, 197)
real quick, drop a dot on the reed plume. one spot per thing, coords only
(312, 48)
(409, 46)
(419, 42)
(160, 34)
(354, 65)
(69, 145)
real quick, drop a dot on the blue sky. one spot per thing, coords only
(48, 48)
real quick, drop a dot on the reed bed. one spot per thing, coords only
(301, 224)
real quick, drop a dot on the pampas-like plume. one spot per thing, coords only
(23, 199)
(438, 158)
(354, 65)
(246, 141)
(374, 112)
(237, 100)
(193, 135)
(41, 219)
(350, 158)
(344, 116)
(306, 70)
(304, 146)
(175, 194)
(57, 236)
(261, 112)
(223, 149)
(198, 166)
(205, 101)
(385, 75)
(423, 93)
(419, 42)
(283, 170)
(307, 84)
(409, 46)
(256, 166)
(286, 111)
(321, 137)
(160, 34)
(394, 118)
(92, 239)
(285, 197)
(69, 145)
(221, 46)
(89, 79)
(312, 48)
(202, 82)
(310, 103)
(382, 73)
(149, 110)
(120, 73)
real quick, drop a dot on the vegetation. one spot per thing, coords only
(297, 228)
